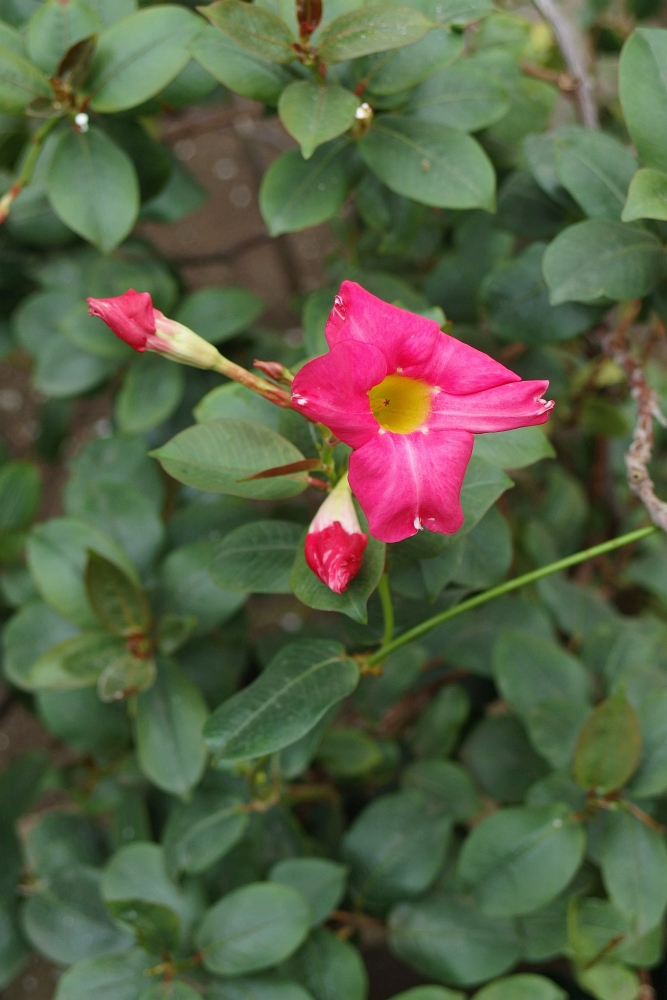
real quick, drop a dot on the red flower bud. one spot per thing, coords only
(335, 543)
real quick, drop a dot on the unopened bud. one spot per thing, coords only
(276, 371)
(335, 543)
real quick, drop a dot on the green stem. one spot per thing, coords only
(387, 609)
(503, 588)
(23, 178)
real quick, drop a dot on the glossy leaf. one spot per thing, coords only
(314, 113)
(253, 928)
(239, 69)
(431, 163)
(258, 30)
(519, 859)
(609, 746)
(300, 684)
(93, 187)
(257, 557)
(371, 29)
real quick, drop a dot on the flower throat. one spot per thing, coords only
(400, 404)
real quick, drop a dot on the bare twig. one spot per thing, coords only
(573, 49)
(638, 455)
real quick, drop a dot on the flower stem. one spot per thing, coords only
(23, 178)
(503, 588)
(264, 388)
(387, 609)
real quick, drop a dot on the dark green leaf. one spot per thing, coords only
(73, 663)
(219, 454)
(447, 938)
(21, 783)
(329, 969)
(116, 599)
(514, 449)
(217, 314)
(529, 670)
(520, 859)
(118, 977)
(137, 872)
(400, 69)
(93, 187)
(55, 27)
(199, 832)
(126, 514)
(609, 746)
(438, 726)
(596, 170)
(253, 928)
(634, 869)
(321, 881)
(300, 684)
(187, 588)
(157, 927)
(448, 787)
(239, 69)
(371, 29)
(314, 113)
(647, 196)
(80, 720)
(257, 557)
(501, 759)
(601, 259)
(231, 399)
(150, 393)
(651, 776)
(30, 633)
(20, 81)
(431, 163)
(643, 92)
(460, 96)
(348, 753)
(525, 986)
(20, 493)
(14, 952)
(257, 29)
(298, 193)
(139, 55)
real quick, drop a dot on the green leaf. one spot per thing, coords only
(643, 93)
(461, 96)
(157, 928)
(596, 170)
(55, 27)
(601, 259)
(371, 29)
(609, 746)
(257, 557)
(553, 726)
(647, 196)
(258, 30)
(231, 399)
(448, 787)
(120, 460)
(516, 301)
(525, 986)
(116, 599)
(217, 314)
(267, 987)
(633, 860)
(348, 753)
(21, 783)
(314, 113)
(610, 981)
(651, 776)
(395, 848)
(200, 832)
(429, 993)
(170, 717)
(57, 555)
(449, 939)
(514, 449)
(501, 759)
(299, 685)
(253, 928)
(126, 675)
(529, 670)
(174, 989)
(400, 69)
(312, 592)
(73, 663)
(31, 631)
(20, 494)
(151, 391)
(20, 81)
(437, 728)
(520, 859)
(93, 187)
(81, 721)
(297, 193)
(329, 969)
(321, 881)
(456, 12)
(118, 977)
(486, 552)
(430, 163)
(90, 333)
(139, 55)
(14, 952)
(126, 514)
(187, 588)
(242, 71)
(66, 920)
(219, 454)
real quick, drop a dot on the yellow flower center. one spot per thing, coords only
(401, 404)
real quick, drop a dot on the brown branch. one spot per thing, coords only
(639, 454)
(573, 48)
(565, 82)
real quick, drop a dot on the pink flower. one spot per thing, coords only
(335, 543)
(408, 399)
(133, 319)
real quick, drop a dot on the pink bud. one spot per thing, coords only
(133, 318)
(335, 543)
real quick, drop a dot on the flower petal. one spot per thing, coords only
(404, 338)
(459, 368)
(130, 316)
(405, 482)
(518, 404)
(334, 390)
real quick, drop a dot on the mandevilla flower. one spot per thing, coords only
(133, 318)
(408, 399)
(335, 543)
